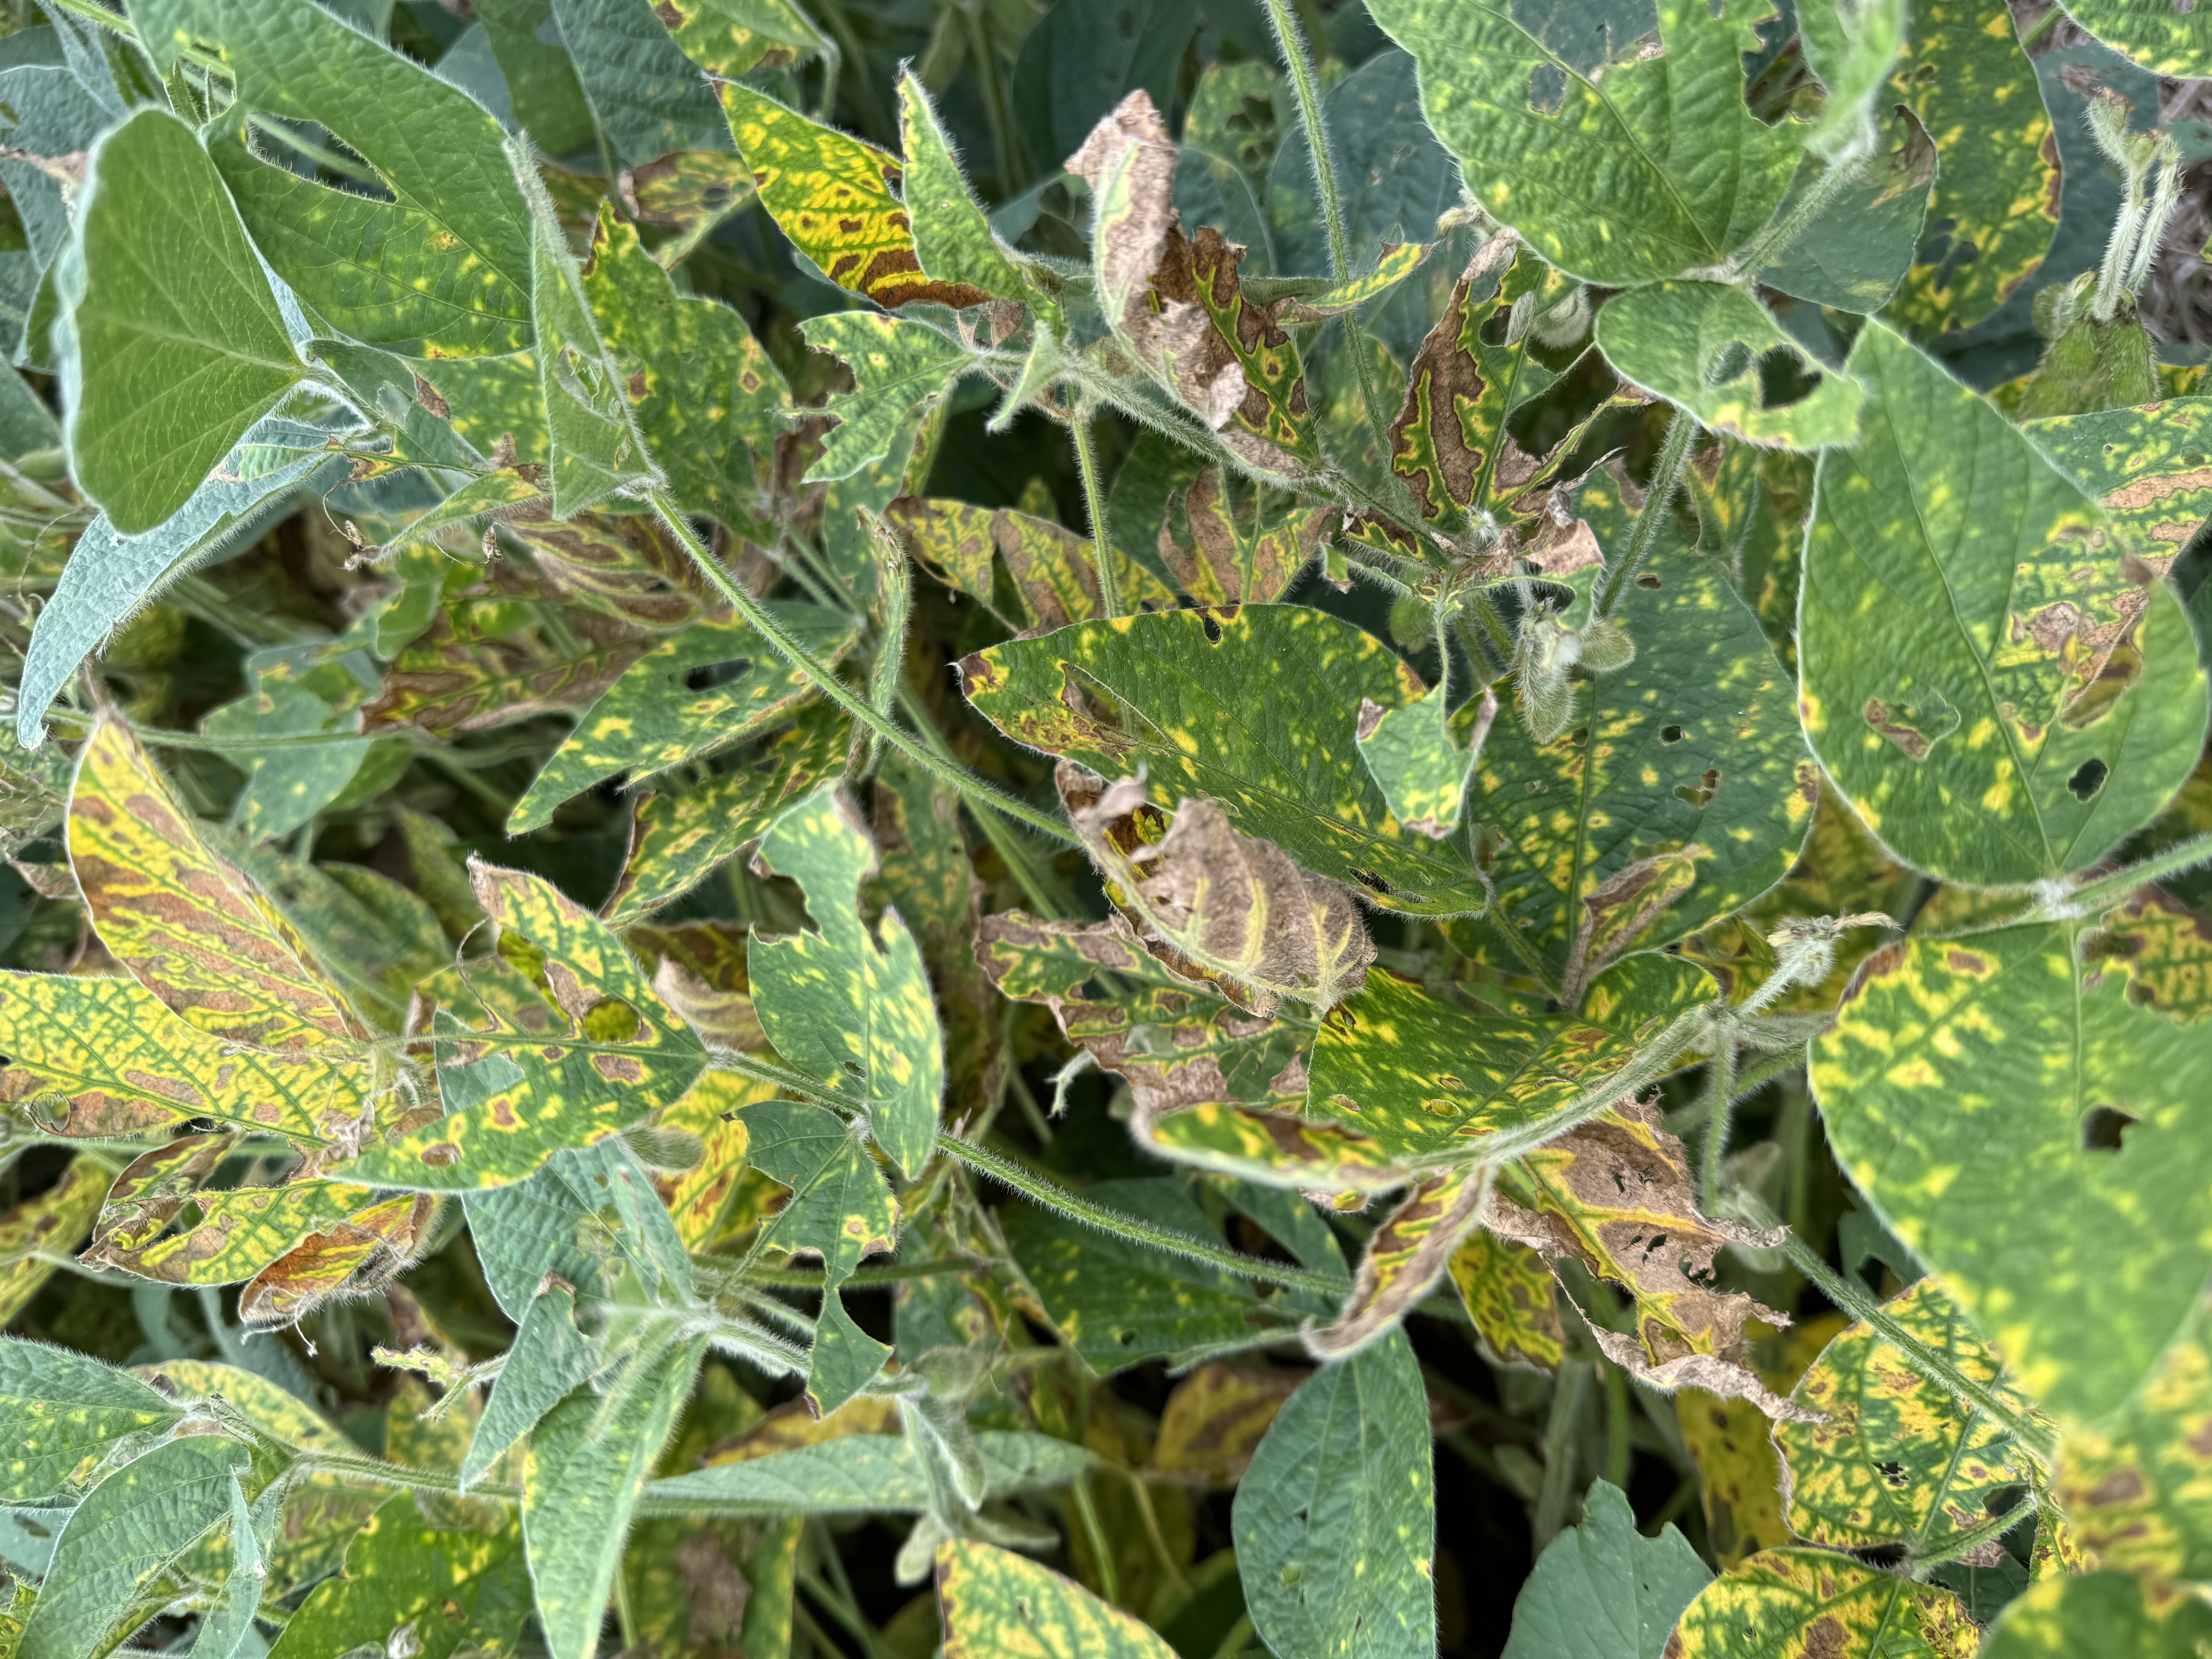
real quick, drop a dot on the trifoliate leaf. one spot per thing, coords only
(844, 1003)
(237, 1232)
(1854, 254)
(2021, 1125)
(861, 1473)
(1608, 178)
(833, 196)
(1175, 692)
(650, 100)
(2023, 667)
(166, 359)
(1707, 347)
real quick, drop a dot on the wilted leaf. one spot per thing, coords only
(1781, 1603)
(1617, 1194)
(714, 684)
(1222, 549)
(1708, 347)
(1610, 178)
(1215, 1418)
(1897, 1459)
(2037, 677)
(350, 1257)
(169, 359)
(2022, 1125)
(1510, 1293)
(1403, 1257)
(844, 1003)
(832, 195)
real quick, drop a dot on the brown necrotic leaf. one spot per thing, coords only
(1617, 1193)
(349, 1258)
(1231, 907)
(1405, 1255)
(1051, 566)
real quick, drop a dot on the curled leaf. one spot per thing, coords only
(1404, 1256)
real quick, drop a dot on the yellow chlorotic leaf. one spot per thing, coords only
(700, 1196)
(237, 1233)
(2168, 949)
(113, 1060)
(1214, 1420)
(266, 1405)
(1510, 1293)
(39, 1234)
(1053, 568)
(1404, 1256)
(1798, 1603)
(834, 196)
(1740, 1473)
(349, 1258)
(792, 1425)
(189, 927)
(998, 1606)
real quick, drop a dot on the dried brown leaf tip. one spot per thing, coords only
(1617, 1194)
(1238, 911)
(1407, 1254)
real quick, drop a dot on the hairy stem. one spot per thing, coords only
(1094, 503)
(1666, 477)
(959, 777)
(1720, 1095)
(1008, 1173)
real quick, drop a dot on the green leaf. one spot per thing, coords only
(168, 361)
(2145, 467)
(1996, 204)
(1601, 1591)
(588, 1462)
(995, 1602)
(227, 1629)
(122, 1538)
(1228, 133)
(651, 719)
(1420, 770)
(2163, 41)
(1854, 255)
(729, 39)
(1613, 181)
(550, 1358)
(843, 1003)
(111, 575)
(599, 1052)
(702, 391)
(1780, 1603)
(952, 238)
(541, 81)
(2098, 1615)
(61, 1413)
(842, 1207)
(648, 97)
(1969, 1089)
(1119, 1303)
(900, 368)
(1427, 1073)
(1176, 691)
(453, 1588)
(1896, 1460)
(598, 452)
(834, 196)
(443, 267)
(1335, 1520)
(1584, 821)
(1707, 347)
(1850, 46)
(867, 1473)
(2031, 703)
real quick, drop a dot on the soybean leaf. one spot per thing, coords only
(952, 239)
(1228, 133)
(441, 267)
(226, 1630)
(2163, 41)
(1780, 1601)
(1335, 1520)
(1053, 569)
(1111, 697)
(1850, 48)
(38, 1234)
(1601, 1591)
(900, 366)
(648, 97)
(1995, 203)
(2022, 668)
(542, 89)
(1083, 58)
(1508, 1292)
(2144, 466)
(63, 1412)
(234, 1233)
(2022, 1216)
(550, 1358)
(845, 1004)
(190, 927)
(123, 1537)
(1855, 254)
(658, 714)
(995, 1602)
(833, 195)
(1896, 1459)
(1708, 347)
(1599, 176)
(730, 38)
(109, 575)
(588, 1462)
(451, 1587)
(863, 1473)
(166, 358)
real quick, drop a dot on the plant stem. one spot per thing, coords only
(2106, 891)
(1094, 503)
(1720, 1091)
(1649, 1064)
(1965, 1543)
(1558, 1490)
(959, 777)
(1008, 1173)
(1094, 1534)
(1292, 44)
(1847, 1294)
(1666, 476)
